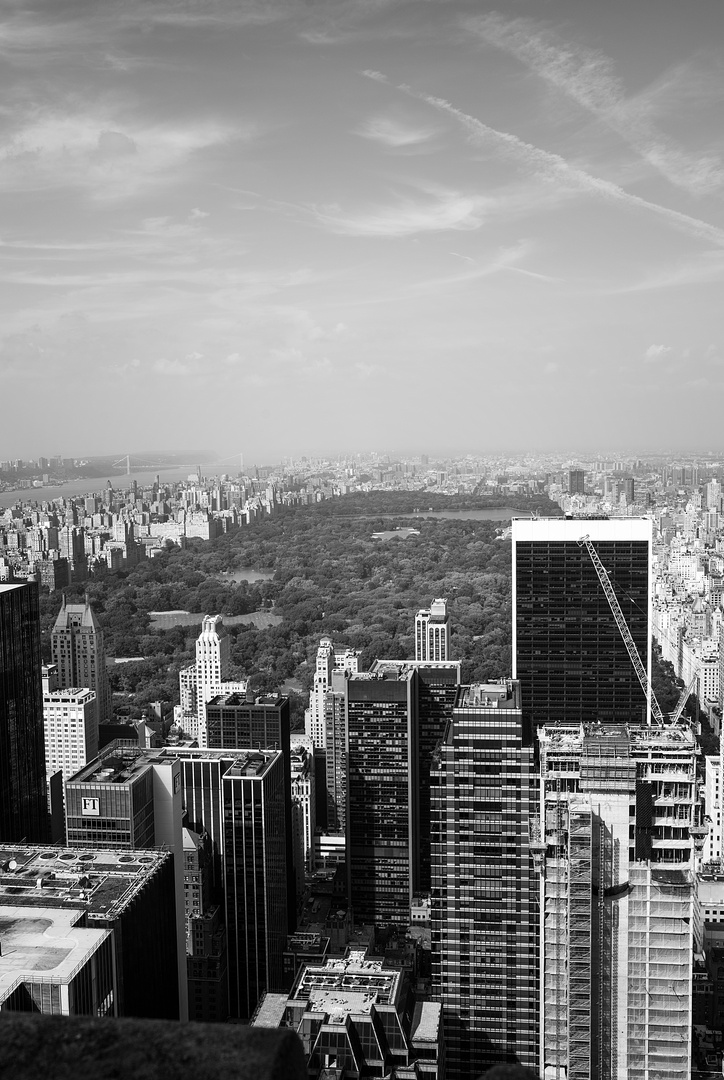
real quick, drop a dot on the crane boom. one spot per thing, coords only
(685, 693)
(623, 629)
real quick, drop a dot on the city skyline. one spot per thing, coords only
(229, 220)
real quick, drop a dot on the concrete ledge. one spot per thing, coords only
(34, 1047)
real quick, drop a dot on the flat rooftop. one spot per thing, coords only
(121, 762)
(41, 944)
(427, 1021)
(560, 529)
(270, 1012)
(641, 737)
(494, 695)
(98, 882)
(348, 985)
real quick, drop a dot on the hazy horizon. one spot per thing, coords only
(280, 228)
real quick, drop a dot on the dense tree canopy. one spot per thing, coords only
(330, 578)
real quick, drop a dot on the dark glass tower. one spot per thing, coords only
(568, 652)
(23, 799)
(485, 953)
(259, 723)
(381, 752)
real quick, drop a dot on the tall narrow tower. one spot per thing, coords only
(484, 901)
(78, 650)
(23, 801)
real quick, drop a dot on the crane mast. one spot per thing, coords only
(623, 629)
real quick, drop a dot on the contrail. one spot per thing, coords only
(553, 167)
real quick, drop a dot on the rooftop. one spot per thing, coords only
(495, 695)
(270, 1012)
(99, 882)
(351, 984)
(426, 1021)
(42, 944)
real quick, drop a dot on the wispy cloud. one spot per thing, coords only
(111, 154)
(587, 76)
(408, 215)
(395, 134)
(555, 169)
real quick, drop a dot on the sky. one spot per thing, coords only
(284, 227)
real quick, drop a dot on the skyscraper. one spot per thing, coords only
(205, 679)
(247, 722)
(78, 650)
(381, 732)
(23, 800)
(568, 653)
(238, 798)
(432, 632)
(576, 482)
(97, 937)
(615, 845)
(484, 890)
(71, 726)
(127, 798)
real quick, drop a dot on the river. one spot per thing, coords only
(94, 485)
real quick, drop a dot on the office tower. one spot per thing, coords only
(568, 652)
(207, 678)
(78, 650)
(713, 799)
(484, 906)
(381, 773)
(358, 1013)
(435, 687)
(335, 756)
(129, 799)
(303, 814)
(238, 798)
(432, 632)
(615, 844)
(244, 722)
(212, 662)
(70, 724)
(329, 660)
(713, 495)
(88, 935)
(206, 952)
(628, 490)
(23, 800)
(255, 865)
(576, 482)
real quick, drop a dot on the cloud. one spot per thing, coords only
(197, 215)
(393, 134)
(110, 156)
(554, 169)
(656, 353)
(550, 368)
(587, 77)
(436, 211)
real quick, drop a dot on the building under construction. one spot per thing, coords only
(615, 847)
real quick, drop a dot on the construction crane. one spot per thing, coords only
(623, 629)
(685, 694)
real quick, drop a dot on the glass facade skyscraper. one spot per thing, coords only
(484, 901)
(23, 799)
(568, 653)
